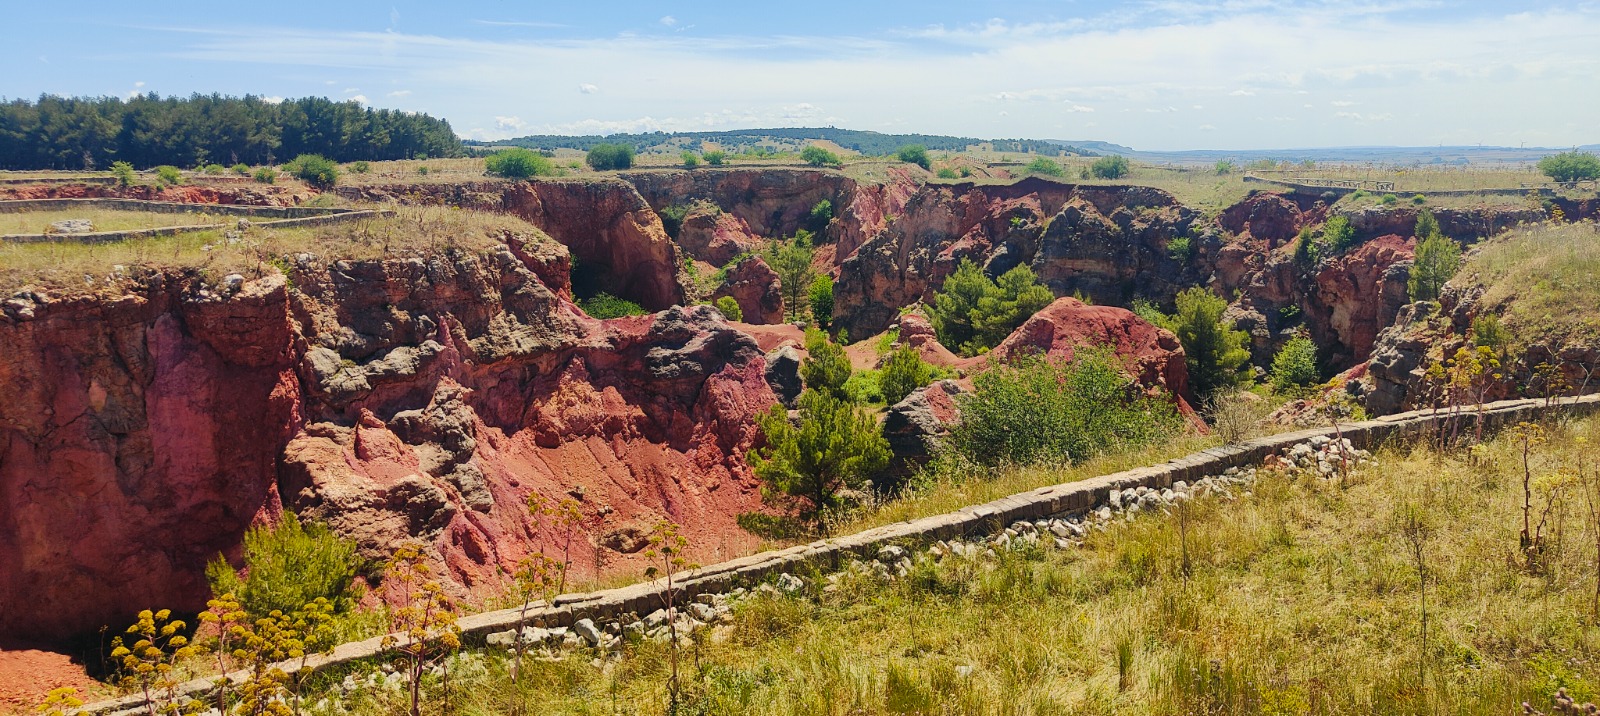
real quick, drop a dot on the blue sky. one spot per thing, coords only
(1159, 74)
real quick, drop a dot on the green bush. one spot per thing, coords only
(1306, 249)
(1338, 235)
(1419, 199)
(123, 171)
(423, 170)
(821, 213)
(818, 157)
(1570, 166)
(972, 314)
(914, 154)
(360, 167)
(266, 175)
(864, 387)
(1113, 166)
(1295, 366)
(241, 169)
(715, 157)
(903, 372)
(1045, 166)
(730, 308)
(610, 156)
(1181, 249)
(690, 159)
(1436, 261)
(288, 566)
(518, 163)
(1223, 166)
(314, 169)
(826, 368)
(834, 447)
(946, 173)
(1216, 352)
(605, 305)
(213, 170)
(1389, 200)
(821, 298)
(168, 175)
(1051, 411)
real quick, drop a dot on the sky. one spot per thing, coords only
(1153, 75)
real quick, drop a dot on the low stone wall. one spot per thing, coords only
(1318, 190)
(105, 237)
(57, 180)
(828, 554)
(17, 206)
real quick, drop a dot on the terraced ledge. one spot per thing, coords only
(1068, 498)
(102, 237)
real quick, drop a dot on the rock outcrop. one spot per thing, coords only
(756, 288)
(915, 425)
(716, 237)
(408, 398)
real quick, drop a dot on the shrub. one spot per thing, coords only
(946, 173)
(1113, 166)
(826, 368)
(288, 566)
(1306, 248)
(360, 167)
(610, 156)
(1436, 261)
(1338, 235)
(730, 308)
(690, 159)
(1489, 332)
(1223, 166)
(821, 298)
(604, 306)
(973, 314)
(1389, 199)
(715, 157)
(123, 171)
(1295, 366)
(1419, 199)
(1046, 166)
(266, 175)
(864, 387)
(1181, 249)
(820, 215)
(314, 169)
(168, 175)
(903, 372)
(241, 169)
(1570, 166)
(818, 157)
(914, 154)
(672, 219)
(518, 163)
(213, 169)
(1051, 411)
(835, 447)
(423, 170)
(1216, 352)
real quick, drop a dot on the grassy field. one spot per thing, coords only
(66, 265)
(1302, 597)
(37, 222)
(1545, 278)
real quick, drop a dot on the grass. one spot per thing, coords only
(1545, 278)
(37, 222)
(1302, 598)
(87, 268)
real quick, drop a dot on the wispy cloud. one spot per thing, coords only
(520, 23)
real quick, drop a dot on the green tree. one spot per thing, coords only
(1306, 248)
(314, 169)
(518, 163)
(288, 566)
(791, 260)
(730, 308)
(834, 447)
(903, 372)
(1571, 166)
(1216, 353)
(690, 159)
(1223, 166)
(821, 213)
(715, 157)
(1113, 166)
(168, 175)
(1054, 411)
(1045, 166)
(610, 156)
(972, 314)
(821, 298)
(123, 171)
(1427, 225)
(1338, 235)
(1437, 258)
(914, 154)
(818, 157)
(1295, 366)
(826, 368)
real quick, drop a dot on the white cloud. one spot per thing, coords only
(1241, 93)
(138, 84)
(272, 100)
(519, 23)
(587, 88)
(351, 90)
(400, 93)
(1207, 127)
(508, 123)
(1341, 103)
(1078, 108)
(669, 21)
(361, 98)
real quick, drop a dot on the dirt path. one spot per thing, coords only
(27, 675)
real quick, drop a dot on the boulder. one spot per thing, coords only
(783, 374)
(915, 425)
(714, 236)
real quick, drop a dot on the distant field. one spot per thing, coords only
(37, 222)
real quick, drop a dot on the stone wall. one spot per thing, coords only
(827, 554)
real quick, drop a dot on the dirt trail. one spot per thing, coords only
(27, 675)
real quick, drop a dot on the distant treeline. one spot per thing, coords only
(870, 143)
(149, 130)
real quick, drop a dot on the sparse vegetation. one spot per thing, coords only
(1045, 166)
(287, 566)
(824, 462)
(820, 215)
(314, 169)
(715, 157)
(825, 369)
(606, 306)
(791, 260)
(1113, 166)
(915, 154)
(1437, 259)
(123, 172)
(518, 163)
(168, 175)
(266, 175)
(690, 159)
(608, 156)
(972, 313)
(1217, 353)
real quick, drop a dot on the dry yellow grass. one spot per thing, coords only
(38, 222)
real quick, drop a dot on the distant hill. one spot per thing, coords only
(786, 138)
(1439, 155)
